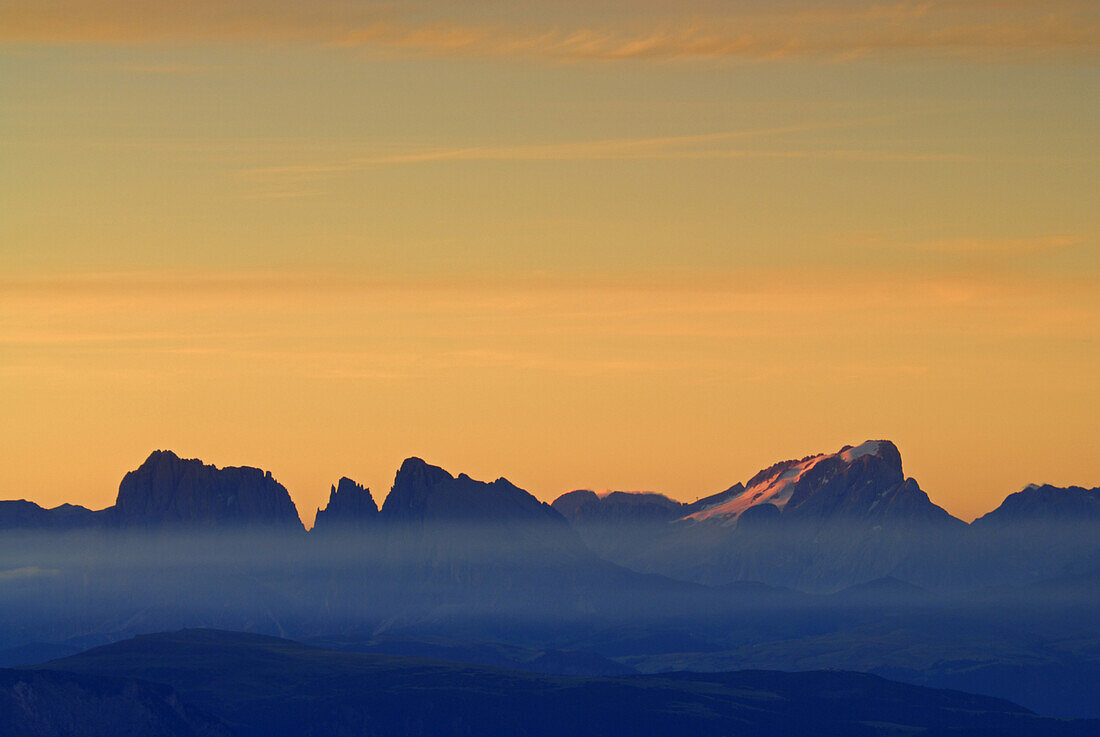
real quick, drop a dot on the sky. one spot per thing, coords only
(635, 245)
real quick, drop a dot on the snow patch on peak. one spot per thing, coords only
(870, 448)
(777, 484)
(774, 489)
(790, 473)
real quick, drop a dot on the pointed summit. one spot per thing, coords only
(413, 487)
(350, 507)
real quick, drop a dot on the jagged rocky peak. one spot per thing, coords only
(413, 486)
(422, 493)
(169, 491)
(349, 506)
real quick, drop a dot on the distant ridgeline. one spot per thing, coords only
(817, 524)
(830, 520)
(836, 560)
(169, 491)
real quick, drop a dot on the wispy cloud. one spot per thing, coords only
(190, 310)
(595, 151)
(713, 145)
(166, 69)
(760, 38)
(998, 246)
(284, 195)
(352, 340)
(758, 31)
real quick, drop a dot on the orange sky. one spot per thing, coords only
(643, 245)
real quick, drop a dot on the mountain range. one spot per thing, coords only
(169, 491)
(837, 560)
(817, 523)
(860, 483)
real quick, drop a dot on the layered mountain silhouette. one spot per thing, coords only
(425, 494)
(618, 507)
(817, 523)
(1042, 531)
(453, 550)
(648, 582)
(269, 686)
(168, 491)
(856, 483)
(19, 514)
(1044, 503)
(620, 526)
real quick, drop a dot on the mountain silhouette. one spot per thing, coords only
(167, 490)
(423, 494)
(272, 687)
(20, 514)
(1044, 503)
(593, 578)
(818, 523)
(1040, 532)
(864, 482)
(821, 522)
(350, 507)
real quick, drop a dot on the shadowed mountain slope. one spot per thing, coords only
(618, 524)
(266, 686)
(494, 654)
(423, 494)
(19, 514)
(1044, 503)
(1041, 532)
(57, 704)
(817, 523)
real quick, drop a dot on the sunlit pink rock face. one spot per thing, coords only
(864, 480)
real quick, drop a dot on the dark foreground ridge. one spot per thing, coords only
(53, 703)
(260, 685)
